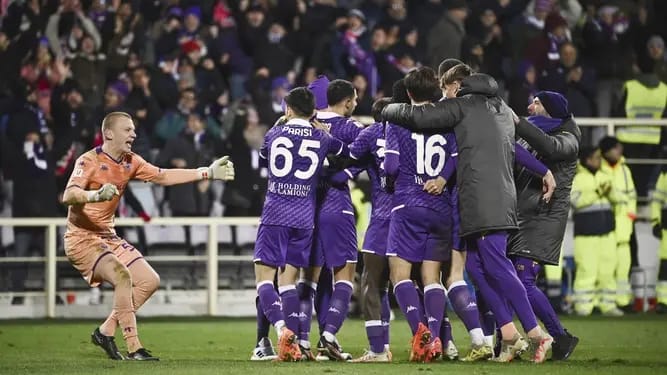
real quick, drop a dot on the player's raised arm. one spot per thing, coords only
(220, 169)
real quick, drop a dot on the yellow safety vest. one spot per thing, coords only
(626, 204)
(642, 102)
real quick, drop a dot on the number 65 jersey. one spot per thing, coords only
(421, 157)
(295, 153)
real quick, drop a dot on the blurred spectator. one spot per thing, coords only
(163, 83)
(528, 28)
(643, 97)
(570, 10)
(364, 100)
(70, 131)
(167, 38)
(445, 38)
(66, 28)
(351, 52)
(656, 53)
(245, 195)
(194, 145)
(227, 51)
(609, 47)
(572, 79)
(89, 71)
(489, 35)
(175, 120)
(144, 108)
(34, 182)
(545, 49)
(395, 20)
(274, 57)
(122, 32)
(523, 88)
(269, 104)
(252, 29)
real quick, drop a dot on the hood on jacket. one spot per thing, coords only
(479, 83)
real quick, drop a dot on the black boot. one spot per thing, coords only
(563, 346)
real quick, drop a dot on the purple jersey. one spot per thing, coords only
(371, 141)
(332, 199)
(421, 158)
(295, 153)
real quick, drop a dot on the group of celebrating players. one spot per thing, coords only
(411, 152)
(442, 158)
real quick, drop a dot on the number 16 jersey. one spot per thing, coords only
(422, 157)
(295, 153)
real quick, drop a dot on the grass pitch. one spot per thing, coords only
(629, 345)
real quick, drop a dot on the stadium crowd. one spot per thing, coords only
(207, 78)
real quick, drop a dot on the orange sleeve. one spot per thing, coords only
(144, 170)
(82, 173)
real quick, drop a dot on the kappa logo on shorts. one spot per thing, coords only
(411, 308)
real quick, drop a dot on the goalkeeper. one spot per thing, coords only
(99, 178)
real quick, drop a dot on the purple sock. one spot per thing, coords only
(527, 270)
(270, 302)
(446, 330)
(489, 295)
(306, 292)
(339, 306)
(408, 301)
(487, 319)
(323, 297)
(263, 324)
(290, 306)
(385, 315)
(375, 333)
(435, 302)
(464, 304)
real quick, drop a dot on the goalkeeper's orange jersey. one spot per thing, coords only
(94, 169)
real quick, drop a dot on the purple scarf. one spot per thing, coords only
(546, 124)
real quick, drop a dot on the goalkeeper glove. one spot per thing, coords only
(221, 169)
(103, 194)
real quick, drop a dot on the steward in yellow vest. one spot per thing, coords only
(625, 212)
(594, 238)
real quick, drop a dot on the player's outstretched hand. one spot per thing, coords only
(103, 194)
(221, 169)
(435, 186)
(548, 186)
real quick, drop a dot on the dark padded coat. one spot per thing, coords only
(542, 225)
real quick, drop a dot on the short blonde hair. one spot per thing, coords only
(112, 118)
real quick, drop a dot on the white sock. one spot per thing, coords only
(279, 327)
(488, 341)
(386, 347)
(329, 336)
(477, 336)
(305, 343)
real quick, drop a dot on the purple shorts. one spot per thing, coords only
(375, 241)
(278, 245)
(335, 240)
(419, 233)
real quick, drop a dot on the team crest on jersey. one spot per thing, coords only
(104, 167)
(128, 166)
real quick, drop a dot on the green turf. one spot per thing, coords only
(631, 345)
